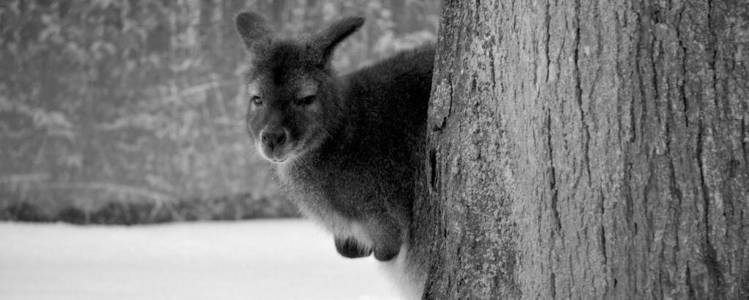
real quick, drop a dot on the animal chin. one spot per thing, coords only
(276, 156)
(278, 160)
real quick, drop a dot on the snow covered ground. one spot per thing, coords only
(290, 259)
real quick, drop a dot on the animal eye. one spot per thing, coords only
(307, 100)
(256, 100)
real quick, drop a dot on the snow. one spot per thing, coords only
(289, 259)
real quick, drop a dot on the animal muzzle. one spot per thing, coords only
(273, 138)
(274, 143)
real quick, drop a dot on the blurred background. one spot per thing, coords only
(130, 112)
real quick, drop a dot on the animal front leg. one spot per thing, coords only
(351, 248)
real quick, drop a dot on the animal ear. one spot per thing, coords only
(254, 30)
(327, 40)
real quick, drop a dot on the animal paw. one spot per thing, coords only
(350, 247)
(386, 253)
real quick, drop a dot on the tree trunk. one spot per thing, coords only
(588, 150)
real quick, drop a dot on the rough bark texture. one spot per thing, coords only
(588, 150)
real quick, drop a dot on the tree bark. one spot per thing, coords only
(588, 150)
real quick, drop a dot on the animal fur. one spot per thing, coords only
(346, 148)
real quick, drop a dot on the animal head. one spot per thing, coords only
(294, 102)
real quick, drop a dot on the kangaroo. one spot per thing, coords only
(346, 148)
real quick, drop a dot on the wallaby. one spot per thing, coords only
(346, 148)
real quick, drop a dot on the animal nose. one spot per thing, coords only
(273, 138)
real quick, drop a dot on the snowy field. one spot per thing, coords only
(246, 260)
